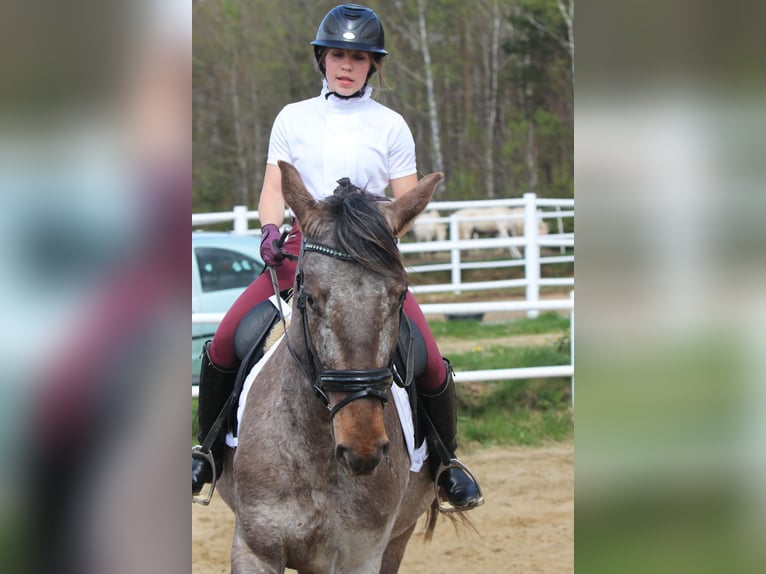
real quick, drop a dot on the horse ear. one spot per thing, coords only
(402, 211)
(295, 193)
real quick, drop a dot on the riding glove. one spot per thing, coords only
(270, 249)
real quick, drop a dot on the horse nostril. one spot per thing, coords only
(384, 452)
(357, 464)
(341, 453)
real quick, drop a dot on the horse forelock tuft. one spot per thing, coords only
(360, 229)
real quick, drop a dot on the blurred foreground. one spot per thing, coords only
(95, 171)
(670, 371)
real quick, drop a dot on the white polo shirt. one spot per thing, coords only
(327, 139)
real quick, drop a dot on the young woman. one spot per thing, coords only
(340, 133)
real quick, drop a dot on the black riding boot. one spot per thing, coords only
(215, 386)
(460, 487)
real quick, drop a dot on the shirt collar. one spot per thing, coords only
(325, 90)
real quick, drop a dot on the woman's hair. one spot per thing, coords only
(376, 64)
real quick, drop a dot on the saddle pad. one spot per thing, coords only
(417, 455)
(231, 440)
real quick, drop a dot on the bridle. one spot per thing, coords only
(361, 383)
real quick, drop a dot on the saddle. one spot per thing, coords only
(255, 327)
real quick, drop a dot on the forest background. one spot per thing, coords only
(486, 87)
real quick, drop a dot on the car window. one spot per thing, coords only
(225, 269)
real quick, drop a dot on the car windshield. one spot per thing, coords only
(224, 269)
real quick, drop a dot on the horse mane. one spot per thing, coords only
(360, 229)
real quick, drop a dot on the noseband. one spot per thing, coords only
(360, 383)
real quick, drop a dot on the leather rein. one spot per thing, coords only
(360, 383)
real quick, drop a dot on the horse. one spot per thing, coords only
(496, 221)
(427, 227)
(320, 480)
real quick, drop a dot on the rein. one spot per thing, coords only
(361, 383)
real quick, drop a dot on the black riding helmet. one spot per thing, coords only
(350, 27)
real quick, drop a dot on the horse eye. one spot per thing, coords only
(309, 299)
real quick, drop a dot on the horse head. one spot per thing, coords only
(351, 286)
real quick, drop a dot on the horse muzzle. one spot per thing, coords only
(358, 463)
(362, 442)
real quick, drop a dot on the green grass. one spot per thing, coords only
(506, 357)
(472, 329)
(516, 412)
(520, 412)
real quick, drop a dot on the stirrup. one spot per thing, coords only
(445, 506)
(201, 498)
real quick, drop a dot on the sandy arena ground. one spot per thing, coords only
(525, 526)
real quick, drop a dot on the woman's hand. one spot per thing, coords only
(270, 249)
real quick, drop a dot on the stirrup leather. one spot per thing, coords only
(204, 498)
(445, 506)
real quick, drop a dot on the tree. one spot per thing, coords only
(433, 112)
(540, 49)
(485, 86)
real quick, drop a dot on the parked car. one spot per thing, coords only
(223, 264)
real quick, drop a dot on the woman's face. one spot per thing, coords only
(346, 70)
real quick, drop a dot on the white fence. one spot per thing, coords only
(531, 241)
(551, 210)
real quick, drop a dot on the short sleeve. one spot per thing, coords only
(401, 155)
(278, 146)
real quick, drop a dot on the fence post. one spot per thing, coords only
(454, 235)
(240, 219)
(531, 252)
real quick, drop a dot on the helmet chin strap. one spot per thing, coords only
(357, 94)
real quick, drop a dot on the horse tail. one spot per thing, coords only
(461, 522)
(431, 516)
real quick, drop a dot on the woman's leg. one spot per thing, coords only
(436, 389)
(436, 372)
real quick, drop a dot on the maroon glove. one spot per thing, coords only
(270, 249)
